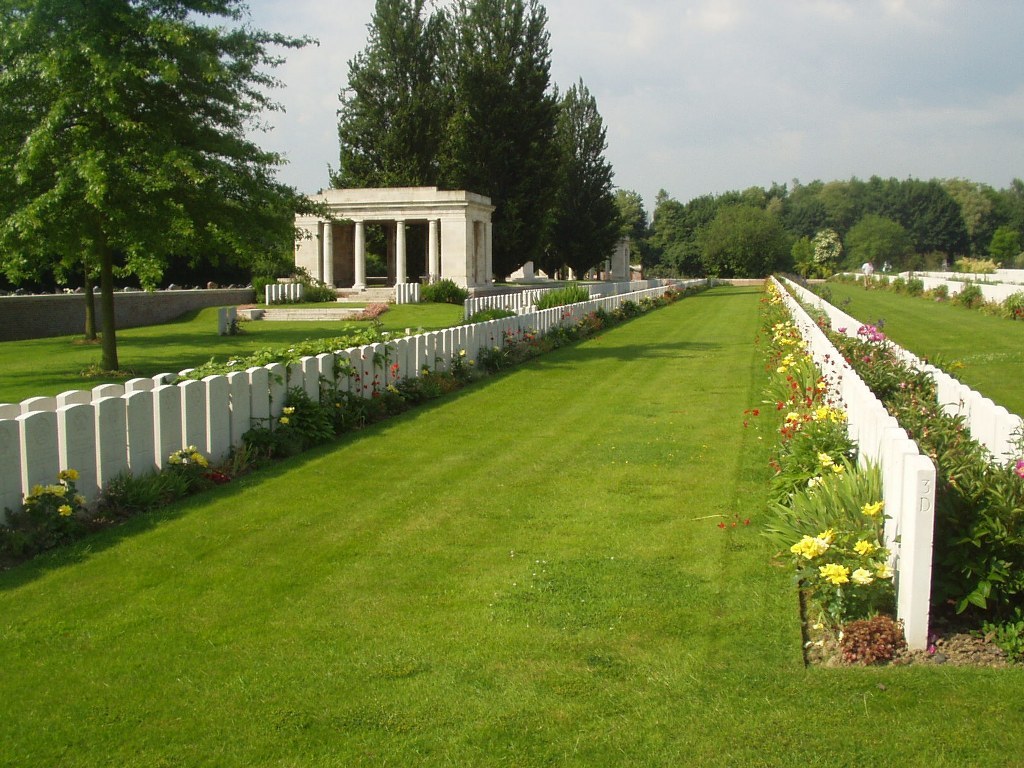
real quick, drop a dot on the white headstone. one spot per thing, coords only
(166, 423)
(138, 385)
(73, 396)
(277, 383)
(140, 423)
(107, 390)
(259, 403)
(217, 441)
(193, 413)
(311, 377)
(111, 439)
(76, 445)
(240, 400)
(10, 466)
(40, 459)
(39, 404)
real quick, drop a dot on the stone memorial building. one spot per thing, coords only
(454, 228)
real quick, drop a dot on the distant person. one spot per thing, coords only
(867, 268)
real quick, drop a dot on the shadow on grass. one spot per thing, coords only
(109, 537)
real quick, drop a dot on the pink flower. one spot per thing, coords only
(1019, 468)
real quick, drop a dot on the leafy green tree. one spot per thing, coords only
(802, 255)
(394, 110)
(977, 209)
(743, 241)
(500, 137)
(929, 214)
(879, 240)
(675, 249)
(828, 249)
(124, 142)
(1005, 245)
(585, 223)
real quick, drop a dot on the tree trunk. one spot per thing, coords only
(90, 307)
(109, 360)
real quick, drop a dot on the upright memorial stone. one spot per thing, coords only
(240, 403)
(277, 382)
(166, 423)
(193, 413)
(76, 445)
(140, 419)
(10, 466)
(311, 378)
(37, 440)
(259, 403)
(217, 440)
(111, 416)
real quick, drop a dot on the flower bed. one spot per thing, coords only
(979, 511)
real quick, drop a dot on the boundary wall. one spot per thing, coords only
(522, 301)
(999, 292)
(44, 316)
(991, 425)
(135, 427)
(908, 476)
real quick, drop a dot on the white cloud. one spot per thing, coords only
(708, 95)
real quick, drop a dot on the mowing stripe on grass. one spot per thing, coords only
(529, 573)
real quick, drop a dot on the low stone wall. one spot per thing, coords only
(37, 317)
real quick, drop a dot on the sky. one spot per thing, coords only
(707, 96)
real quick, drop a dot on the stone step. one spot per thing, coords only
(334, 313)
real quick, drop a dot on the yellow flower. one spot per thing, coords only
(792, 416)
(821, 413)
(825, 460)
(809, 547)
(284, 419)
(199, 459)
(864, 547)
(838, 469)
(288, 411)
(883, 571)
(835, 573)
(64, 510)
(872, 509)
(79, 500)
(862, 576)
(829, 535)
(68, 474)
(781, 369)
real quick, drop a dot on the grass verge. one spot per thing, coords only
(984, 352)
(46, 367)
(530, 573)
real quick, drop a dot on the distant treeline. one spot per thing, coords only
(820, 227)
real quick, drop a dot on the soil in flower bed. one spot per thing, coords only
(952, 647)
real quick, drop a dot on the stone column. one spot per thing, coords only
(318, 267)
(433, 253)
(360, 257)
(400, 268)
(328, 270)
(488, 276)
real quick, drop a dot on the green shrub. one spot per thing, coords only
(970, 296)
(940, 292)
(494, 313)
(443, 292)
(50, 515)
(1013, 306)
(572, 293)
(915, 286)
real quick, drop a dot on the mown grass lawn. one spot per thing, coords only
(529, 573)
(989, 349)
(46, 367)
